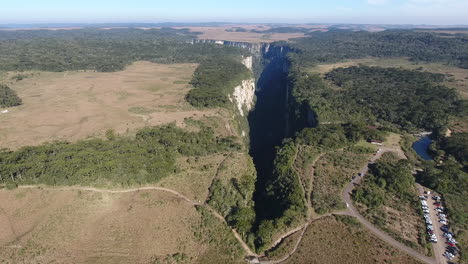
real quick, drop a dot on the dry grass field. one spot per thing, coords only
(220, 33)
(331, 240)
(82, 104)
(45, 226)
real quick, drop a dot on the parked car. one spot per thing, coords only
(448, 255)
(450, 244)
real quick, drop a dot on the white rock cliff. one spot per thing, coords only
(244, 94)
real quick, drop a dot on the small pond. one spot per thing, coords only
(421, 146)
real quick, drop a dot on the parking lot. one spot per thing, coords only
(438, 227)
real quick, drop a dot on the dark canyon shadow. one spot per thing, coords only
(268, 126)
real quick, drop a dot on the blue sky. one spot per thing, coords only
(292, 11)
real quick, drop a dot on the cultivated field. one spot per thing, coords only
(70, 226)
(82, 104)
(343, 240)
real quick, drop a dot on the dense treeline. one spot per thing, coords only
(8, 97)
(409, 99)
(214, 80)
(338, 45)
(148, 157)
(386, 178)
(406, 99)
(456, 146)
(101, 50)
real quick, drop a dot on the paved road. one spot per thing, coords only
(381, 234)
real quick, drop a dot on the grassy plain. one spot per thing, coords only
(69, 226)
(221, 33)
(77, 105)
(341, 240)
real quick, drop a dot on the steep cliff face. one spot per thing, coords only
(244, 95)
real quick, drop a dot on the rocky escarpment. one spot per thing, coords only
(244, 94)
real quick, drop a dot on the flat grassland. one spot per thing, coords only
(342, 240)
(81, 104)
(220, 33)
(70, 226)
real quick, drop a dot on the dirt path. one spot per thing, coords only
(346, 196)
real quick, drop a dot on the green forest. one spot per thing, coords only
(338, 45)
(147, 158)
(214, 80)
(404, 99)
(102, 50)
(8, 97)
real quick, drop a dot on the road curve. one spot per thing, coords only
(346, 196)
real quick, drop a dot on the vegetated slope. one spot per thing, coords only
(337, 45)
(146, 158)
(214, 80)
(8, 97)
(101, 50)
(448, 175)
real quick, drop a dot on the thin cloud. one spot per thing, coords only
(377, 2)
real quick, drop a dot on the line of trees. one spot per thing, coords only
(337, 45)
(8, 97)
(147, 158)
